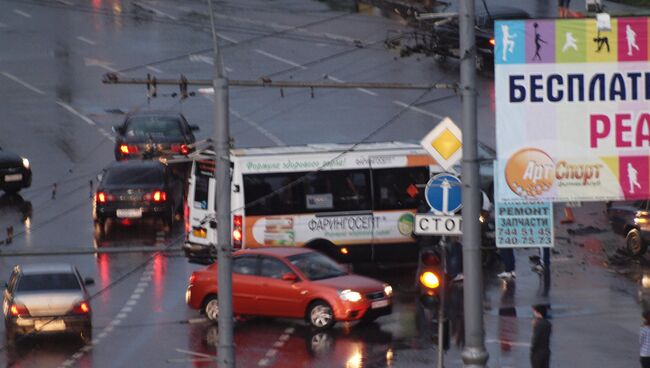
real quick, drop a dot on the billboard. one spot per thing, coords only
(572, 109)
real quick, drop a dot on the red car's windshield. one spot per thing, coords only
(316, 266)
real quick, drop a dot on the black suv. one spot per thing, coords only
(148, 134)
(632, 220)
(15, 172)
(136, 191)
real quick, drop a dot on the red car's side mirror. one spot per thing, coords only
(290, 276)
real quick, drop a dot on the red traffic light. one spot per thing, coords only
(430, 259)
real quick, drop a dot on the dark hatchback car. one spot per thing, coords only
(632, 220)
(446, 34)
(137, 191)
(47, 298)
(15, 172)
(147, 134)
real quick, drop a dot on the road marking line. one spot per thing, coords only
(135, 296)
(284, 337)
(271, 353)
(197, 320)
(76, 113)
(262, 130)
(154, 69)
(417, 109)
(143, 279)
(86, 40)
(64, 2)
(108, 328)
(289, 330)
(371, 93)
(275, 57)
(20, 12)
(337, 80)
(102, 335)
(86, 348)
(278, 344)
(263, 362)
(154, 10)
(76, 355)
(126, 309)
(131, 302)
(189, 352)
(67, 363)
(115, 322)
(142, 284)
(121, 315)
(138, 290)
(231, 40)
(513, 343)
(23, 83)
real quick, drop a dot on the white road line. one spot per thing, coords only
(154, 69)
(154, 10)
(142, 284)
(138, 290)
(417, 109)
(371, 93)
(135, 296)
(229, 39)
(126, 309)
(263, 362)
(289, 330)
(275, 57)
(337, 80)
(271, 353)
(86, 348)
(76, 113)
(20, 12)
(64, 2)
(86, 40)
(23, 83)
(194, 353)
(229, 70)
(262, 130)
(121, 315)
(278, 344)
(102, 335)
(131, 302)
(196, 320)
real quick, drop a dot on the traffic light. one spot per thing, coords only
(430, 277)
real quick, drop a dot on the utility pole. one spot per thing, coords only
(474, 353)
(226, 344)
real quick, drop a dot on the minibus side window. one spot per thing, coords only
(399, 188)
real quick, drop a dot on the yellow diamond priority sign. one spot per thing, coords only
(444, 143)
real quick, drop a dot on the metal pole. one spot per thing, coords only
(474, 353)
(226, 348)
(441, 309)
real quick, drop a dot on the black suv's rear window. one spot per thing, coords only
(154, 126)
(48, 282)
(134, 176)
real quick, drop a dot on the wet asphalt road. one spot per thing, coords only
(56, 112)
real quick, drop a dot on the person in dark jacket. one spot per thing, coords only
(540, 350)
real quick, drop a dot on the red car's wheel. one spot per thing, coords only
(320, 315)
(211, 308)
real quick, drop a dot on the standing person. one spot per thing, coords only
(540, 349)
(563, 8)
(508, 259)
(455, 259)
(644, 340)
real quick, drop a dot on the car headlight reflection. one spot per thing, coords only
(25, 163)
(388, 290)
(349, 295)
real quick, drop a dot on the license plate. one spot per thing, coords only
(379, 304)
(50, 325)
(14, 177)
(129, 213)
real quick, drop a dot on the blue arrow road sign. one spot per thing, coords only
(443, 194)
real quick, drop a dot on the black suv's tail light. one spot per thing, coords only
(83, 307)
(18, 310)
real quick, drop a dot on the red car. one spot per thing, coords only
(294, 283)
